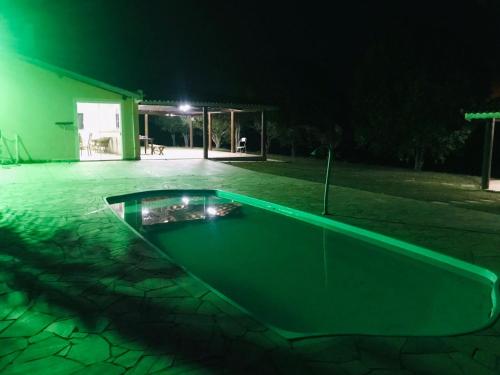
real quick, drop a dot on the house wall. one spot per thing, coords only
(33, 100)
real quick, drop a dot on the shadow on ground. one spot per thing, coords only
(107, 293)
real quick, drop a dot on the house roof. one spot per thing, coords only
(76, 76)
(482, 116)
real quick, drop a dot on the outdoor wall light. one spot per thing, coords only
(185, 107)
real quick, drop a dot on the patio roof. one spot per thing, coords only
(162, 107)
(482, 115)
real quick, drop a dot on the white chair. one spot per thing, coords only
(242, 145)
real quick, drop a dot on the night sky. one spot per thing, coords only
(300, 56)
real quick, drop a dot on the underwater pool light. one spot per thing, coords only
(211, 211)
(185, 200)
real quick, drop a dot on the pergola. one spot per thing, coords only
(206, 110)
(490, 118)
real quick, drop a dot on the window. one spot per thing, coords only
(80, 121)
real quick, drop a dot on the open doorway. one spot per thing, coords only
(99, 131)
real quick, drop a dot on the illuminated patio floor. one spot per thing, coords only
(80, 294)
(176, 153)
(494, 185)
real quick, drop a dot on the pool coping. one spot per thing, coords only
(401, 247)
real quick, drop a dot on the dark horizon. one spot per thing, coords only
(252, 52)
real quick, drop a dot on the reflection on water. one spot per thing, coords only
(163, 210)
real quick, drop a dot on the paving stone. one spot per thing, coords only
(98, 326)
(143, 367)
(222, 305)
(79, 335)
(129, 358)
(57, 366)
(117, 350)
(8, 346)
(427, 345)
(4, 324)
(355, 368)
(91, 349)
(486, 358)
(162, 362)
(469, 366)
(154, 283)
(40, 337)
(380, 352)
(437, 364)
(208, 308)
(101, 369)
(4, 288)
(28, 325)
(116, 339)
(7, 359)
(128, 290)
(63, 328)
(65, 351)
(261, 340)
(169, 291)
(230, 327)
(194, 287)
(324, 368)
(42, 349)
(328, 349)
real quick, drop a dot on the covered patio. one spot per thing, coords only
(204, 112)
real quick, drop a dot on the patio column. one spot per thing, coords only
(146, 132)
(489, 131)
(263, 135)
(190, 124)
(233, 146)
(205, 132)
(210, 130)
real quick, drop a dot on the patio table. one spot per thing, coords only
(147, 140)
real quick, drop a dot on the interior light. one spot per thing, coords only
(185, 200)
(211, 211)
(185, 107)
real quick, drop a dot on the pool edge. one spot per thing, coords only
(395, 244)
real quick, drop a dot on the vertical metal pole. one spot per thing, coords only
(263, 135)
(489, 131)
(327, 180)
(205, 133)
(233, 146)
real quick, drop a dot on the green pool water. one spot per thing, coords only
(306, 275)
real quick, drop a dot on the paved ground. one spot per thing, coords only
(79, 293)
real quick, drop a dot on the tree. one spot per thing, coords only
(185, 130)
(271, 134)
(408, 97)
(172, 125)
(219, 128)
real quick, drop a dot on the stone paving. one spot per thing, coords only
(80, 293)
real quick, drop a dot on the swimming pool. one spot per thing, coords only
(306, 275)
